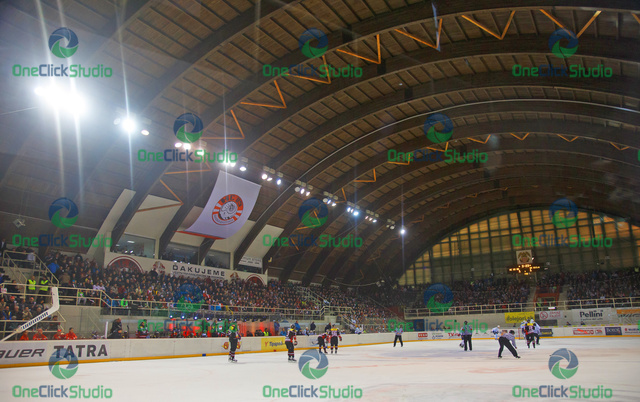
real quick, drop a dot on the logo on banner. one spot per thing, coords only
(227, 210)
(308, 357)
(524, 257)
(60, 206)
(179, 128)
(563, 213)
(446, 296)
(555, 364)
(56, 368)
(56, 39)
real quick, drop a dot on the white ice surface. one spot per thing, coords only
(419, 371)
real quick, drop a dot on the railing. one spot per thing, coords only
(18, 261)
(621, 302)
(49, 326)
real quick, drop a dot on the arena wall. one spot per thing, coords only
(37, 353)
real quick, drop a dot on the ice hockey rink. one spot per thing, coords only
(419, 371)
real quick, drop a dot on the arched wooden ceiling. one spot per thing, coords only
(545, 137)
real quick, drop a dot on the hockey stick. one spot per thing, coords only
(54, 307)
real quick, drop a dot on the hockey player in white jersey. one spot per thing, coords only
(496, 332)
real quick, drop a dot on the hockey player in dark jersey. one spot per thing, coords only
(234, 337)
(322, 342)
(335, 334)
(290, 342)
(529, 335)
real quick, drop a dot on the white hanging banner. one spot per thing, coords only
(228, 208)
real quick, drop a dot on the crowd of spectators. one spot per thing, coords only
(366, 305)
(603, 285)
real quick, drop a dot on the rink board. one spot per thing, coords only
(37, 353)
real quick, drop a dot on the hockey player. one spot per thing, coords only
(536, 332)
(335, 334)
(496, 332)
(322, 342)
(506, 339)
(234, 337)
(290, 342)
(522, 325)
(528, 330)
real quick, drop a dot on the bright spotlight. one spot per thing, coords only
(356, 213)
(177, 144)
(334, 204)
(269, 178)
(264, 176)
(301, 190)
(279, 181)
(402, 231)
(129, 125)
(308, 192)
(186, 146)
(243, 168)
(144, 132)
(62, 99)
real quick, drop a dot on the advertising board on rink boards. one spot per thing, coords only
(589, 331)
(516, 318)
(273, 344)
(593, 316)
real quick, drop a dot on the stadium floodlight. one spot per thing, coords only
(129, 125)
(62, 99)
(356, 213)
(264, 176)
(403, 231)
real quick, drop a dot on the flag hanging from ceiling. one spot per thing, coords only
(228, 208)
